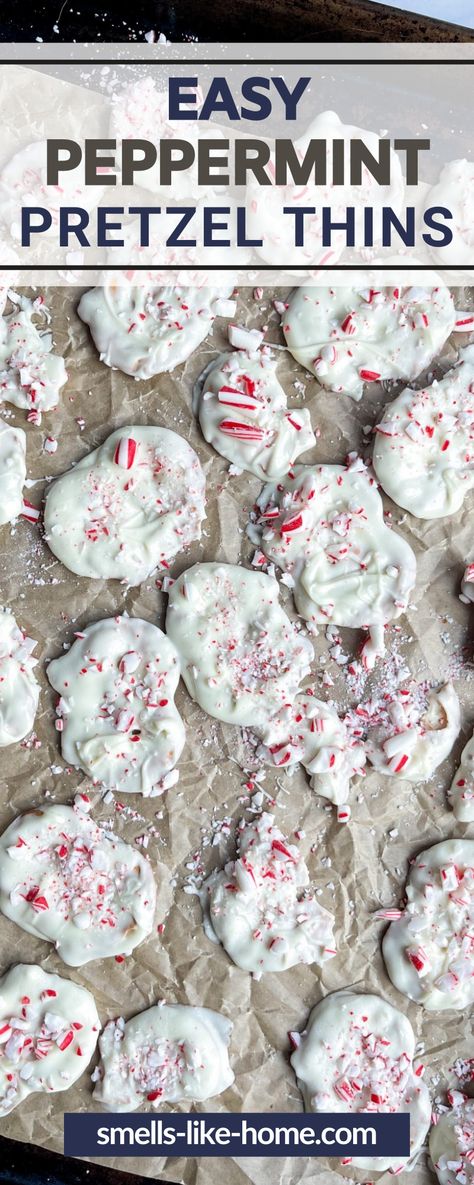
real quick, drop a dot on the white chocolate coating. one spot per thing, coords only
(428, 951)
(413, 732)
(356, 1055)
(114, 518)
(145, 331)
(424, 445)
(452, 1145)
(265, 204)
(324, 525)
(260, 908)
(12, 471)
(19, 691)
(347, 337)
(311, 732)
(48, 1032)
(455, 191)
(31, 376)
(243, 413)
(461, 792)
(65, 879)
(120, 724)
(241, 656)
(169, 1053)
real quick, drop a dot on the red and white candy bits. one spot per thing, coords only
(119, 722)
(428, 951)
(19, 691)
(31, 375)
(127, 508)
(311, 732)
(263, 435)
(356, 1055)
(66, 879)
(169, 1053)
(48, 1032)
(125, 452)
(411, 730)
(260, 906)
(368, 333)
(242, 658)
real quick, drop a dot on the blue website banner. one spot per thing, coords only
(245, 1134)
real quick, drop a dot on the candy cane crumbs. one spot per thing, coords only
(428, 951)
(31, 375)
(244, 414)
(241, 656)
(324, 527)
(19, 691)
(49, 1028)
(168, 1053)
(68, 880)
(357, 1055)
(260, 906)
(119, 723)
(348, 337)
(128, 507)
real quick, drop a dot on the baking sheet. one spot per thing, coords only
(358, 868)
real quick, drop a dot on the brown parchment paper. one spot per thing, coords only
(358, 868)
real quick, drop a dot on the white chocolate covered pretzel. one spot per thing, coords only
(31, 376)
(12, 471)
(452, 1145)
(168, 1053)
(356, 1055)
(428, 951)
(348, 337)
(116, 709)
(324, 525)
(241, 656)
(424, 445)
(461, 792)
(68, 880)
(128, 507)
(147, 330)
(412, 731)
(243, 413)
(19, 691)
(260, 906)
(48, 1032)
(311, 732)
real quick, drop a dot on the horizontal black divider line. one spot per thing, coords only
(238, 62)
(227, 267)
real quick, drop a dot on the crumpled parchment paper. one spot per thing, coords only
(357, 868)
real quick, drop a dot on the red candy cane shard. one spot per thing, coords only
(240, 430)
(29, 511)
(369, 376)
(125, 452)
